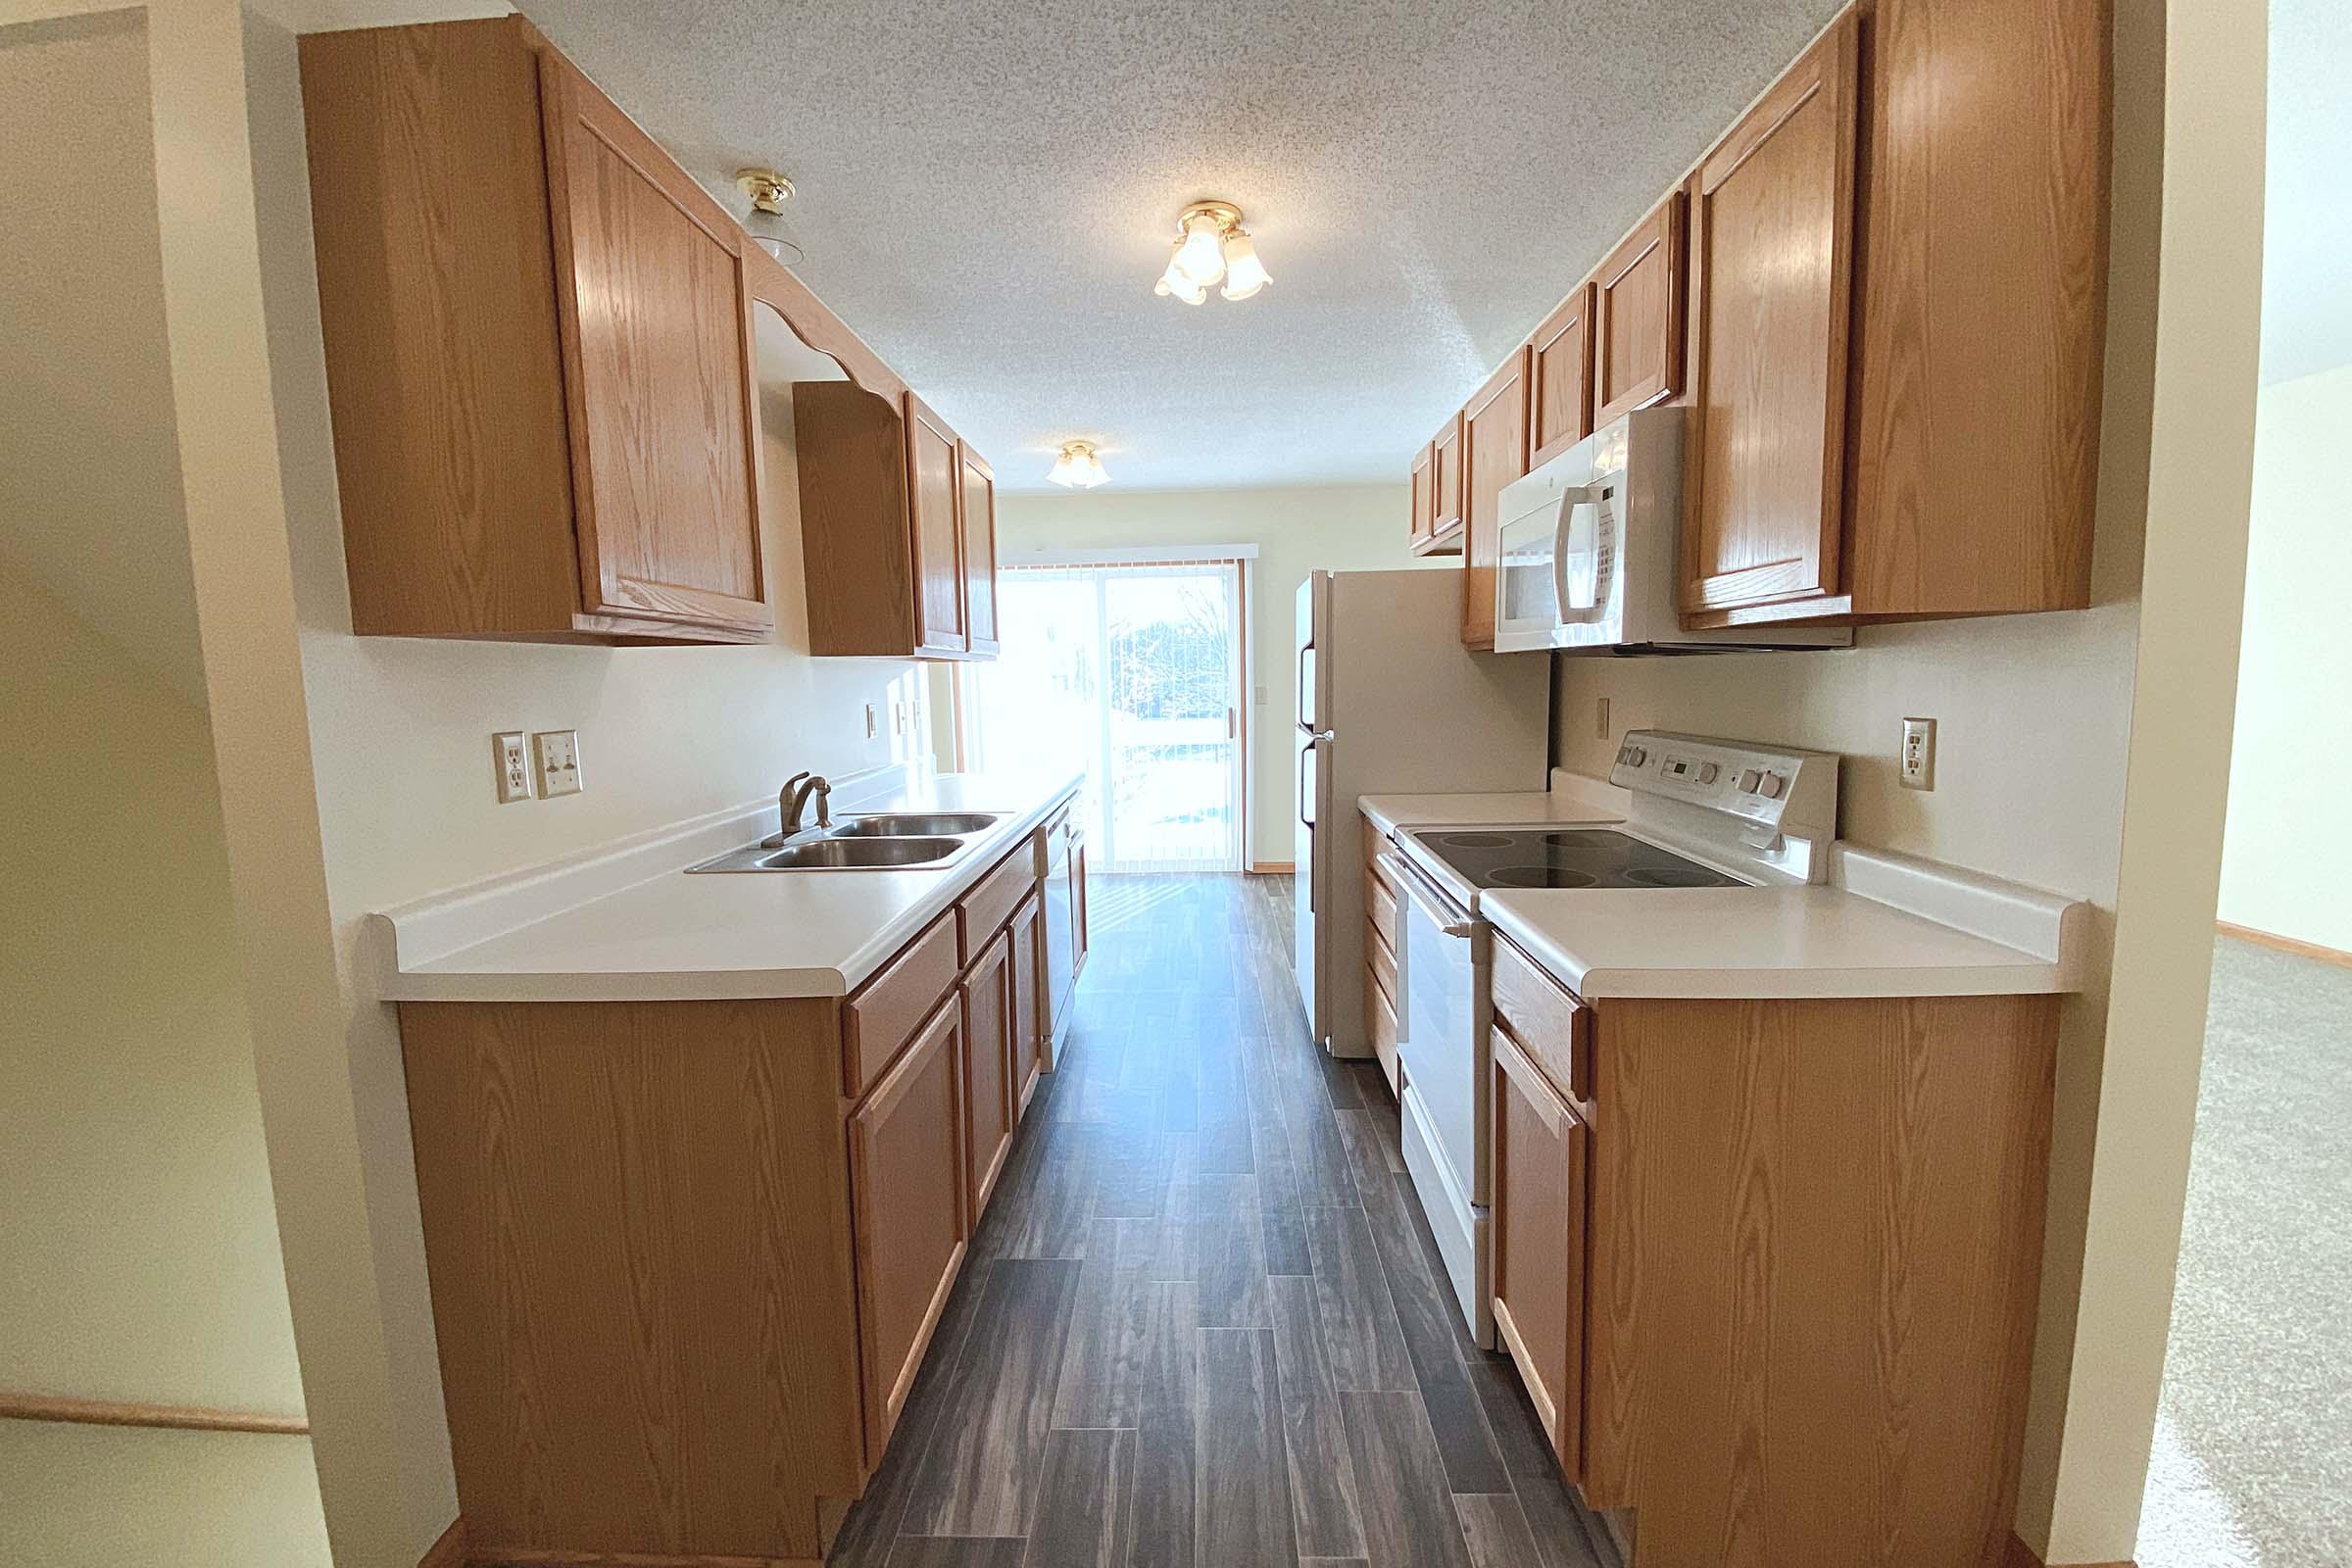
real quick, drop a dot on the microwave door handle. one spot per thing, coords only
(1575, 496)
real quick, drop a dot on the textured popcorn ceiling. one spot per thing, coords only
(986, 191)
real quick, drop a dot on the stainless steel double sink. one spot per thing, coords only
(881, 841)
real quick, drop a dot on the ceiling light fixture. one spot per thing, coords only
(1211, 244)
(765, 190)
(1078, 468)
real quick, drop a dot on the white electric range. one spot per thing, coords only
(1702, 814)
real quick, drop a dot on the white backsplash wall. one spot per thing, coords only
(2031, 719)
(400, 731)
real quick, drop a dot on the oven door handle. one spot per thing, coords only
(1449, 920)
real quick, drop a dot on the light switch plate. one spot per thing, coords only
(1917, 763)
(511, 764)
(557, 753)
(872, 722)
(1601, 718)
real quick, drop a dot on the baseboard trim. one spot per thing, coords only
(2300, 948)
(450, 1550)
(2022, 1555)
(169, 1417)
(1273, 867)
(535, 1557)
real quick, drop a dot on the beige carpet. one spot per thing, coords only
(2253, 1464)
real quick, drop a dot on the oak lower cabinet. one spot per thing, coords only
(686, 1258)
(539, 350)
(912, 1183)
(1536, 1233)
(898, 527)
(992, 1083)
(1031, 1042)
(1738, 1244)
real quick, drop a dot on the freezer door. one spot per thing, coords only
(1310, 854)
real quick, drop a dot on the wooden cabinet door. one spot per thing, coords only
(656, 333)
(989, 1082)
(1638, 317)
(1494, 454)
(979, 541)
(1771, 263)
(1538, 1235)
(1445, 479)
(1028, 999)
(913, 1215)
(1425, 495)
(1560, 379)
(935, 530)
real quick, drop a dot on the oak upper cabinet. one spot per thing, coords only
(1772, 222)
(1560, 379)
(1638, 317)
(1849, 399)
(1493, 445)
(991, 1086)
(913, 1214)
(1445, 532)
(935, 502)
(978, 532)
(1537, 1233)
(898, 527)
(538, 340)
(1425, 497)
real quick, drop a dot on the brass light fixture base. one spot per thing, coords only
(1227, 215)
(767, 189)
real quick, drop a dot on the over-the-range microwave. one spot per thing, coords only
(1587, 555)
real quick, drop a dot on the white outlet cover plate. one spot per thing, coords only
(1915, 769)
(510, 766)
(557, 754)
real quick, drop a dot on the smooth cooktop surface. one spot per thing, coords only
(1564, 857)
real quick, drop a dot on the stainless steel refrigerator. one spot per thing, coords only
(1390, 703)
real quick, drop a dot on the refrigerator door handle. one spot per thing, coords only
(1304, 708)
(1304, 752)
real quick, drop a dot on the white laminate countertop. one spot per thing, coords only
(571, 934)
(1885, 925)
(1767, 942)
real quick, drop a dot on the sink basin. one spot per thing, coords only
(913, 824)
(844, 853)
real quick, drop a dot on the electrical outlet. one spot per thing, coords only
(872, 721)
(558, 752)
(511, 763)
(1601, 718)
(1918, 762)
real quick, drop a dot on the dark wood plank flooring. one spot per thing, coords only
(1203, 1323)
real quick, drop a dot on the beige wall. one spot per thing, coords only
(139, 1257)
(1359, 527)
(400, 732)
(2287, 857)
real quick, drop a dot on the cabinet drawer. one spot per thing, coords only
(882, 1015)
(1553, 1025)
(1380, 1022)
(992, 898)
(1380, 907)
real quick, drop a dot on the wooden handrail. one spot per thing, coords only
(120, 1413)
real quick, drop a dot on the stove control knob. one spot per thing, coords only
(1634, 756)
(1708, 773)
(1772, 786)
(1748, 781)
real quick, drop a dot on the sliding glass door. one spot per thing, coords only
(1133, 674)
